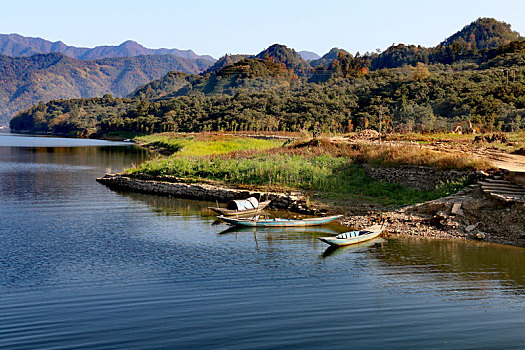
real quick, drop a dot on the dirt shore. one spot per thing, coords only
(468, 214)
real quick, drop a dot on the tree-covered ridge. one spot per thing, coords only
(433, 98)
(165, 87)
(224, 61)
(483, 33)
(25, 81)
(477, 42)
(328, 58)
(287, 56)
(338, 62)
(251, 73)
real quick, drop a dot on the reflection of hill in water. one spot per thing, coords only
(163, 205)
(461, 269)
(471, 268)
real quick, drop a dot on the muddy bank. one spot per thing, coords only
(468, 214)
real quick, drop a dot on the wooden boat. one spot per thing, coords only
(277, 222)
(354, 237)
(299, 230)
(241, 207)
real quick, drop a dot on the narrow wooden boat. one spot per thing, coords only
(298, 230)
(277, 222)
(354, 237)
(241, 207)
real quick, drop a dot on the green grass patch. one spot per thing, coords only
(329, 176)
(204, 145)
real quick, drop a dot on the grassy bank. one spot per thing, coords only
(332, 171)
(203, 144)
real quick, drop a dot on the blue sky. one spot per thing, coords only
(228, 26)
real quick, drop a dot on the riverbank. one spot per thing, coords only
(416, 188)
(467, 214)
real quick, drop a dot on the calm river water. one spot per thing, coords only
(82, 266)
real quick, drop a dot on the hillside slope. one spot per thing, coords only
(483, 33)
(25, 81)
(250, 73)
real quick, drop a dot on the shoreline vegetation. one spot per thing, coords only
(331, 177)
(330, 172)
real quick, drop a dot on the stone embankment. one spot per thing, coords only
(177, 187)
(417, 177)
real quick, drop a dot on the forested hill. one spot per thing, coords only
(16, 45)
(253, 74)
(25, 81)
(286, 56)
(421, 89)
(484, 33)
(226, 60)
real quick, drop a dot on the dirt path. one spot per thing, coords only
(510, 162)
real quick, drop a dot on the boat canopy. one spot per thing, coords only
(243, 204)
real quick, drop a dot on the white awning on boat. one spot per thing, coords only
(243, 204)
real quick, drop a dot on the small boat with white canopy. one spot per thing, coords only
(241, 206)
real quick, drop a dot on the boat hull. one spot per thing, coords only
(280, 222)
(339, 242)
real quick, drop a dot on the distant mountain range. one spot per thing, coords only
(309, 55)
(425, 88)
(16, 46)
(25, 81)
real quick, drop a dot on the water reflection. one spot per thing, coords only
(82, 266)
(169, 206)
(471, 269)
(332, 251)
(49, 172)
(441, 265)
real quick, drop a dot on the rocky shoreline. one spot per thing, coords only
(178, 187)
(468, 214)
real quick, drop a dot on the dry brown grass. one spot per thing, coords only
(416, 155)
(383, 155)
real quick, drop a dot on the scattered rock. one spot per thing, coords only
(520, 151)
(368, 135)
(480, 235)
(501, 138)
(471, 228)
(416, 177)
(456, 207)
